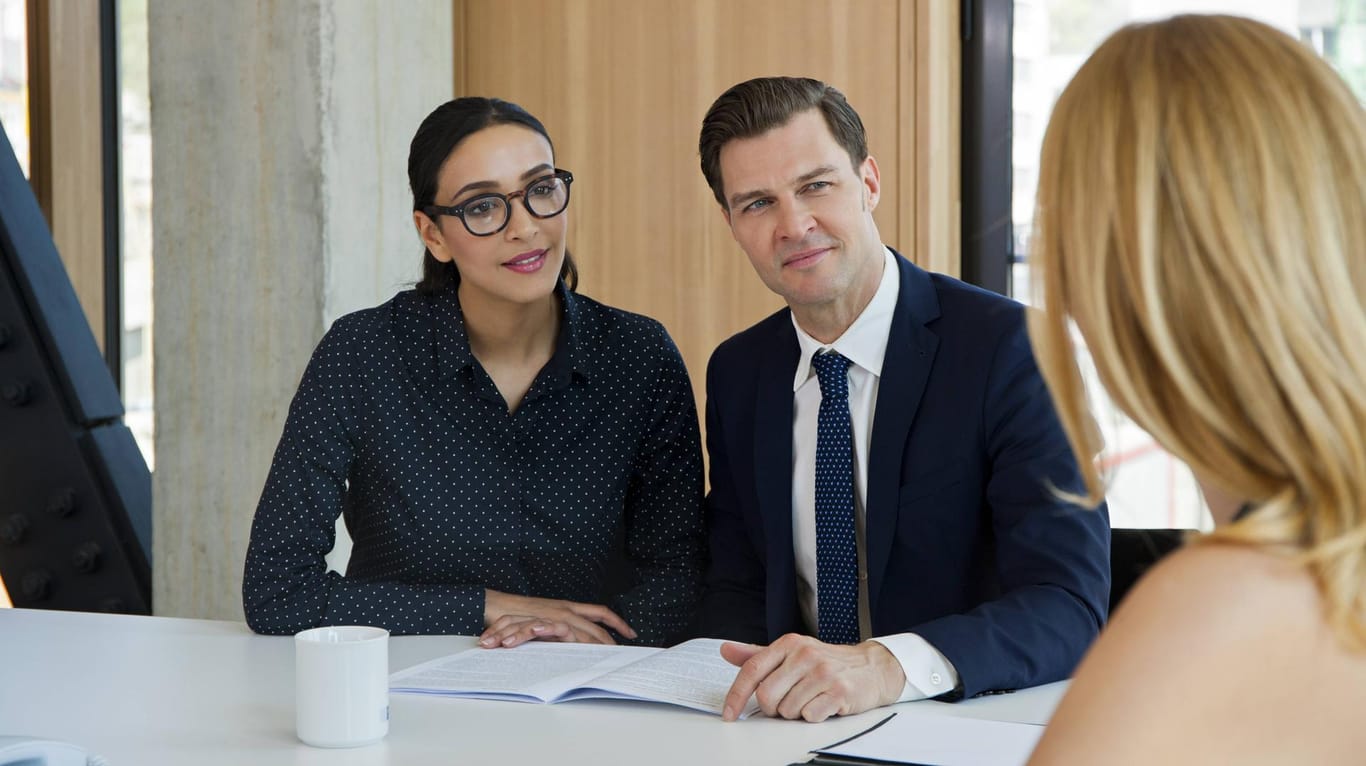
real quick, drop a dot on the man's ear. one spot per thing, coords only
(431, 236)
(872, 182)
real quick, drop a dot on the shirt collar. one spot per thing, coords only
(865, 341)
(453, 342)
(571, 348)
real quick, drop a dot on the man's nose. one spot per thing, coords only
(795, 221)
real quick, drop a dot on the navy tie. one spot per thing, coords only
(836, 544)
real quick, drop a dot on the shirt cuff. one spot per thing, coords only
(928, 672)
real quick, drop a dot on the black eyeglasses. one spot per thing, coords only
(488, 214)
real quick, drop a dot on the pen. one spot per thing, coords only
(838, 760)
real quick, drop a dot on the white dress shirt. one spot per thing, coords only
(928, 672)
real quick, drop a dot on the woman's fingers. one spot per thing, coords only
(601, 614)
(551, 620)
(516, 631)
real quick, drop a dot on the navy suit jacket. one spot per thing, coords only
(967, 543)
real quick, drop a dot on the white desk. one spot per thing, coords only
(148, 691)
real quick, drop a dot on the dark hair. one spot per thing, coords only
(436, 138)
(757, 106)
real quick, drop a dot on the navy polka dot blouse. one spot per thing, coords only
(591, 491)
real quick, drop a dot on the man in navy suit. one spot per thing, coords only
(884, 510)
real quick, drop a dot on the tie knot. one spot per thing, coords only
(831, 370)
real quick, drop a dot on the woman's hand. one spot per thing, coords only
(510, 620)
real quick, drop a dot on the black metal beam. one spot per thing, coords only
(75, 492)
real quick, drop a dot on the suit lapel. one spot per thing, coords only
(773, 464)
(911, 349)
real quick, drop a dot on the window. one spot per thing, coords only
(14, 77)
(1050, 40)
(135, 187)
(128, 260)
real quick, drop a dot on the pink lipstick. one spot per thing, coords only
(529, 262)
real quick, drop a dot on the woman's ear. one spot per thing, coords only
(431, 236)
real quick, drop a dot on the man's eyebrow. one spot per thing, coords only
(814, 174)
(741, 198)
(539, 170)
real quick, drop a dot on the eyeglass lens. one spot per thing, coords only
(544, 198)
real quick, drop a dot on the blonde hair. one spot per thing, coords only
(1202, 217)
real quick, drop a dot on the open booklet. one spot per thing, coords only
(692, 674)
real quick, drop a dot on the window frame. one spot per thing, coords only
(987, 125)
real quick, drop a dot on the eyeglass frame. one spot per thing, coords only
(458, 211)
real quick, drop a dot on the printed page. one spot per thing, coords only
(942, 740)
(534, 671)
(692, 674)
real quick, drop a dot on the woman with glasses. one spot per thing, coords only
(1202, 220)
(512, 459)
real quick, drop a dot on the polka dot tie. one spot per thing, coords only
(836, 545)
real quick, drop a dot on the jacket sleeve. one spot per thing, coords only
(1053, 557)
(734, 598)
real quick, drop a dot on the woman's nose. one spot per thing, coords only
(521, 223)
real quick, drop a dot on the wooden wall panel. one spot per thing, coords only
(622, 87)
(66, 167)
(936, 114)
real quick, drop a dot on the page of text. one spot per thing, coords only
(692, 674)
(539, 670)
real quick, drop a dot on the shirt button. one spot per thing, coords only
(936, 679)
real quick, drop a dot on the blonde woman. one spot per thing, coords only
(1202, 219)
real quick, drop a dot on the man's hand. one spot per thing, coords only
(510, 620)
(800, 677)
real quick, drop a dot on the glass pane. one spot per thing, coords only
(14, 77)
(135, 163)
(1147, 487)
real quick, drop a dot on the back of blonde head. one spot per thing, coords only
(1202, 217)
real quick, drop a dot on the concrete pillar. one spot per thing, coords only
(280, 134)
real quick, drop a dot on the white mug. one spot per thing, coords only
(341, 685)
